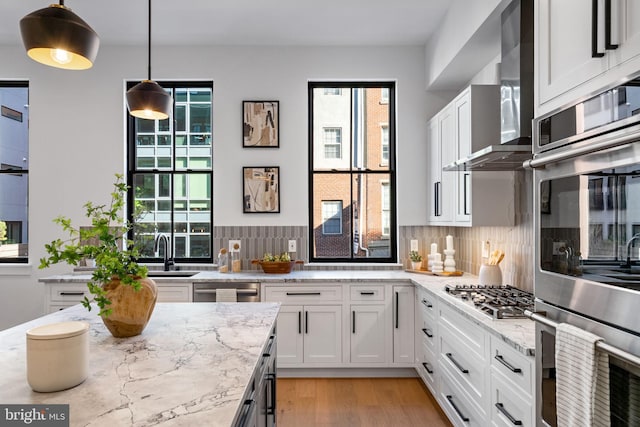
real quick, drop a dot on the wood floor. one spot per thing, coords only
(350, 402)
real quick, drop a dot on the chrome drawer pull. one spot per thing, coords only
(506, 413)
(455, 362)
(427, 303)
(64, 294)
(509, 366)
(427, 332)
(462, 417)
(426, 366)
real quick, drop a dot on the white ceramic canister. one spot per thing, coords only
(490, 275)
(57, 356)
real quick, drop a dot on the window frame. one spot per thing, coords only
(132, 170)
(20, 171)
(347, 147)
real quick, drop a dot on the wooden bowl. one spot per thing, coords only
(276, 267)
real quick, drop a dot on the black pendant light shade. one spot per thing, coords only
(57, 37)
(147, 99)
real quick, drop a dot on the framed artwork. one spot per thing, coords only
(261, 186)
(261, 124)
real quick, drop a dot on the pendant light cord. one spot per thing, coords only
(149, 45)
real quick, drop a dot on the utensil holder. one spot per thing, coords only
(490, 275)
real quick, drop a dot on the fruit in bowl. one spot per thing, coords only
(276, 264)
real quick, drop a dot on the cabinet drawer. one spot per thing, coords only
(303, 294)
(427, 304)
(427, 333)
(469, 370)
(457, 405)
(174, 293)
(515, 366)
(468, 332)
(364, 293)
(508, 404)
(427, 366)
(68, 292)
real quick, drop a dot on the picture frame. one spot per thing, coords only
(261, 189)
(261, 124)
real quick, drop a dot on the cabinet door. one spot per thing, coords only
(435, 171)
(367, 333)
(564, 46)
(322, 334)
(629, 13)
(447, 136)
(290, 334)
(403, 324)
(462, 108)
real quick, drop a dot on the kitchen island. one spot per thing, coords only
(192, 365)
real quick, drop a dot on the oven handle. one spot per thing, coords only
(601, 345)
(249, 292)
(542, 161)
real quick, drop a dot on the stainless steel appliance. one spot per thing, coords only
(206, 291)
(586, 174)
(498, 302)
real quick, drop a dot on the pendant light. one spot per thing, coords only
(57, 37)
(147, 99)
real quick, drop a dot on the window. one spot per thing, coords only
(332, 217)
(171, 175)
(352, 195)
(385, 215)
(332, 143)
(384, 149)
(14, 172)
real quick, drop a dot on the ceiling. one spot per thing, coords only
(246, 22)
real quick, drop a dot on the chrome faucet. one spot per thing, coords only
(168, 259)
(629, 244)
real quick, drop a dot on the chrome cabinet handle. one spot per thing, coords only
(509, 366)
(457, 365)
(506, 413)
(427, 333)
(426, 366)
(460, 414)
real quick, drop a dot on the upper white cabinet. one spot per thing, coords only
(579, 52)
(468, 123)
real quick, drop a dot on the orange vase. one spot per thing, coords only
(130, 309)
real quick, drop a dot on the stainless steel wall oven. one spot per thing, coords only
(586, 173)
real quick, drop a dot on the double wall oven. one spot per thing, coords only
(586, 174)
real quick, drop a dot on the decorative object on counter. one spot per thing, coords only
(147, 99)
(449, 262)
(236, 264)
(490, 275)
(416, 260)
(261, 189)
(449, 242)
(436, 263)
(430, 257)
(57, 356)
(276, 264)
(261, 124)
(119, 285)
(57, 37)
(223, 261)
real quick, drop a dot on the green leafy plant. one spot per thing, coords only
(415, 256)
(283, 257)
(105, 241)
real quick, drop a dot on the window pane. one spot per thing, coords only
(371, 215)
(331, 129)
(332, 216)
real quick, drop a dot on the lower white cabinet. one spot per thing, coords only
(367, 337)
(403, 324)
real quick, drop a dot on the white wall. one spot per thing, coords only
(77, 133)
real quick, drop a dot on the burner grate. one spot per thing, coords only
(498, 302)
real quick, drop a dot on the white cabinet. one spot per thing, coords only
(309, 325)
(427, 338)
(62, 295)
(174, 291)
(367, 338)
(573, 60)
(403, 324)
(467, 124)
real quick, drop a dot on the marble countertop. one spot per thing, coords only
(190, 366)
(519, 333)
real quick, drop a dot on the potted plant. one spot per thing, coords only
(119, 285)
(416, 260)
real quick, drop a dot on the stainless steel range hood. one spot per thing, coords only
(516, 96)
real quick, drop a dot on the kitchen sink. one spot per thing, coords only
(172, 273)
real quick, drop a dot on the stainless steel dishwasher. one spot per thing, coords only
(206, 291)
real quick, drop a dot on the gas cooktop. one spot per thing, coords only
(498, 302)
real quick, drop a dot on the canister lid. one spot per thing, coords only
(58, 330)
